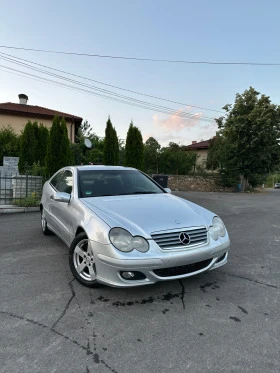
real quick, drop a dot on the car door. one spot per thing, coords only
(62, 218)
(50, 189)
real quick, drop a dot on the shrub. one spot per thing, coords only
(31, 201)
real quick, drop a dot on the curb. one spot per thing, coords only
(10, 209)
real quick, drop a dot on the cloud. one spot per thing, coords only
(175, 122)
(181, 130)
(166, 138)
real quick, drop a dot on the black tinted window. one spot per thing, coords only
(65, 184)
(63, 181)
(55, 180)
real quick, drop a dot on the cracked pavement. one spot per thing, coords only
(224, 321)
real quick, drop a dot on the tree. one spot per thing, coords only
(58, 150)
(215, 155)
(81, 153)
(151, 155)
(28, 147)
(250, 132)
(122, 151)
(43, 136)
(9, 143)
(175, 160)
(111, 145)
(85, 129)
(134, 148)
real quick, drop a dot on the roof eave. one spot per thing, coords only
(39, 115)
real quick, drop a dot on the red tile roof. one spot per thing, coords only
(39, 111)
(199, 145)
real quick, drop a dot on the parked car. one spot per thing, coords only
(277, 185)
(123, 229)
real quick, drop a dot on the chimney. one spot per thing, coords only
(23, 99)
(194, 142)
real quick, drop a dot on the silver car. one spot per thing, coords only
(123, 229)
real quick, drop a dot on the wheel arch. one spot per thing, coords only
(80, 230)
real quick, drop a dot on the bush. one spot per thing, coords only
(256, 180)
(31, 201)
(9, 143)
(272, 179)
(37, 170)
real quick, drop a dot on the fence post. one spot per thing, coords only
(26, 186)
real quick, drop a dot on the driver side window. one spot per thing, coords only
(63, 181)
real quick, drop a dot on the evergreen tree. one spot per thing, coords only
(28, 147)
(58, 150)
(111, 145)
(66, 154)
(43, 136)
(134, 148)
(128, 155)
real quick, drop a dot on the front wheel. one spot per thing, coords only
(82, 262)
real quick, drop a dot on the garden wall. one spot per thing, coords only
(196, 183)
(26, 186)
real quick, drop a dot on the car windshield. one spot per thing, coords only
(98, 183)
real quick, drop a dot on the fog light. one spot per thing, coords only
(127, 275)
(132, 276)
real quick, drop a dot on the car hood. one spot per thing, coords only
(144, 214)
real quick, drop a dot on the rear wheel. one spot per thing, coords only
(82, 261)
(44, 223)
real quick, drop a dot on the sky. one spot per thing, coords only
(194, 30)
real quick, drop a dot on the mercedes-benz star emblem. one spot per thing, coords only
(184, 238)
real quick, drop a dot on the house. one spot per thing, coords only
(201, 149)
(17, 115)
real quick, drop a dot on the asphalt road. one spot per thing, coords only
(227, 320)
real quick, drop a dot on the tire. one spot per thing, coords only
(82, 261)
(44, 224)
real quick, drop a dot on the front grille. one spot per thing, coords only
(182, 270)
(170, 240)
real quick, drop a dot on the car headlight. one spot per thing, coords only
(124, 241)
(217, 229)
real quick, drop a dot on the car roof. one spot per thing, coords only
(102, 168)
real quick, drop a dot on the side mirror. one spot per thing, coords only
(61, 197)
(168, 190)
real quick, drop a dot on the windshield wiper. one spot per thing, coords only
(146, 192)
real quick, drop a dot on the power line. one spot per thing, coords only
(110, 93)
(110, 85)
(154, 106)
(141, 59)
(147, 106)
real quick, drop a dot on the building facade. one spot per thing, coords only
(201, 149)
(17, 115)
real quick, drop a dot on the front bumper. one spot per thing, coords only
(157, 265)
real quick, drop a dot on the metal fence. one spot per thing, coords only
(19, 187)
